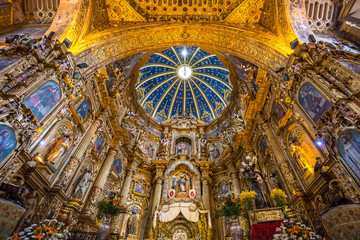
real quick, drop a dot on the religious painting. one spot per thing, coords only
(159, 118)
(139, 187)
(183, 148)
(117, 166)
(43, 99)
(4, 63)
(147, 109)
(99, 145)
(352, 66)
(7, 142)
(263, 147)
(83, 182)
(215, 151)
(314, 103)
(349, 149)
(83, 109)
(57, 144)
(150, 149)
(182, 182)
(278, 112)
(224, 189)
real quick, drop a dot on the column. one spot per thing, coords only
(282, 159)
(105, 169)
(96, 192)
(160, 167)
(206, 194)
(69, 170)
(127, 182)
(234, 179)
(157, 194)
(125, 191)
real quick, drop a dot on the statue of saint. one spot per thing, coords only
(82, 184)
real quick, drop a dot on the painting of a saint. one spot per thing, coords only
(278, 111)
(150, 150)
(99, 145)
(183, 148)
(147, 109)
(43, 99)
(7, 142)
(216, 153)
(83, 109)
(139, 187)
(349, 149)
(314, 103)
(117, 165)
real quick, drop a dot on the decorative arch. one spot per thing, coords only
(156, 37)
(175, 164)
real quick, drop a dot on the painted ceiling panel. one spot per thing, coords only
(183, 80)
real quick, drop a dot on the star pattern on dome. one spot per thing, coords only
(183, 80)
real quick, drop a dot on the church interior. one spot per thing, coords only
(180, 119)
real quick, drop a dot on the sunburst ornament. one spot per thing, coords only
(184, 81)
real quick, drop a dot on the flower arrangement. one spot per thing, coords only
(294, 231)
(247, 199)
(47, 229)
(279, 196)
(230, 205)
(111, 205)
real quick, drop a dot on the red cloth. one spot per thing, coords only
(264, 230)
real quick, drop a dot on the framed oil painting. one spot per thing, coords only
(43, 99)
(314, 103)
(83, 109)
(349, 149)
(7, 142)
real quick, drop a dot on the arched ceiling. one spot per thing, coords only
(90, 24)
(183, 80)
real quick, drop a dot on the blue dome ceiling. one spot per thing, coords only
(183, 81)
